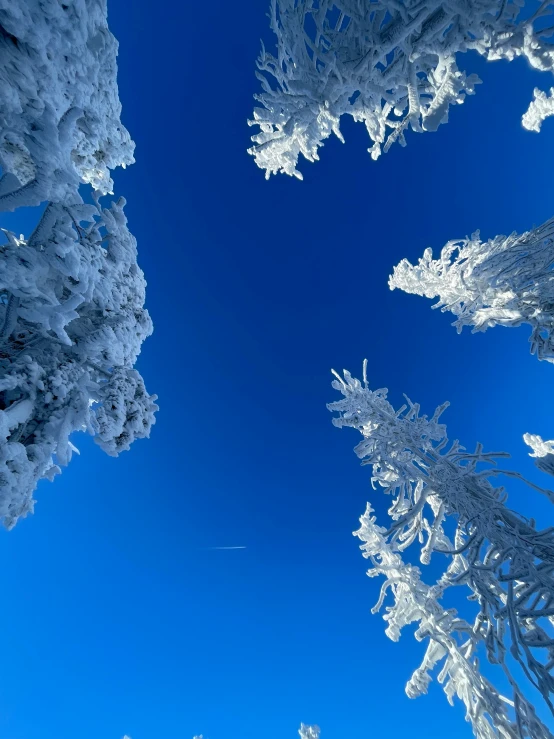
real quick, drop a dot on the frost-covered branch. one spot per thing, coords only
(391, 65)
(506, 281)
(74, 321)
(59, 104)
(507, 564)
(452, 642)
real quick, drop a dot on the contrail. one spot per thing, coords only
(225, 548)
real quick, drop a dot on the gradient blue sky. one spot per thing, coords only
(117, 617)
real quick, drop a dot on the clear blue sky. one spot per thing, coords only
(117, 617)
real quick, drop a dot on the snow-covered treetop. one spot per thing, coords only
(58, 98)
(391, 65)
(308, 732)
(505, 281)
(504, 560)
(72, 321)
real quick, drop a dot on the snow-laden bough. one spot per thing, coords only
(391, 65)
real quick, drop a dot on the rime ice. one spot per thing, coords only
(72, 316)
(504, 561)
(390, 65)
(506, 281)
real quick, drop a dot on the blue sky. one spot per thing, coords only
(117, 615)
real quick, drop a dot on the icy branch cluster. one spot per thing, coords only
(504, 561)
(391, 65)
(72, 316)
(506, 281)
(452, 641)
(58, 100)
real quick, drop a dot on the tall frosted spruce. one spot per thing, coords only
(390, 65)
(504, 562)
(72, 317)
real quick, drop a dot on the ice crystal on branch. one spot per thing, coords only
(72, 321)
(506, 281)
(58, 100)
(391, 65)
(504, 561)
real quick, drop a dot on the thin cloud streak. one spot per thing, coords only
(213, 548)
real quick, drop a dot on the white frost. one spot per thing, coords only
(543, 451)
(452, 644)
(506, 564)
(506, 281)
(540, 108)
(391, 65)
(72, 321)
(72, 316)
(309, 732)
(59, 101)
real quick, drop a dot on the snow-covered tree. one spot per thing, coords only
(506, 281)
(452, 642)
(443, 498)
(391, 65)
(72, 316)
(58, 101)
(72, 321)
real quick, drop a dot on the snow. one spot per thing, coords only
(72, 316)
(392, 67)
(503, 561)
(309, 732)
(59, 103)
(543, 452)
(541, 107)
(506, 281)
(67, 362)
